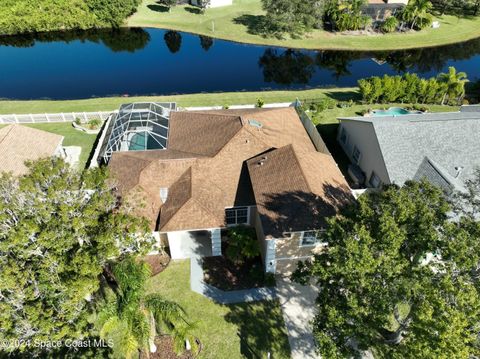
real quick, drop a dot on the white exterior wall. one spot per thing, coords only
(362, 135)
(214, 3)
(202, 242)
(179, 247)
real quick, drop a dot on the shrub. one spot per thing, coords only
(408, 88)
(242, 243)
(345, 104)
(94, 123)
(78, 121)
(389, 25)
(226, 107)
(260, 103)
(270, 280)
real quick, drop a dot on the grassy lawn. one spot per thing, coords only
(202, 99)
(72, 137)
(226, 331)
(233, 23)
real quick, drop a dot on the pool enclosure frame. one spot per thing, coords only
(134, 119)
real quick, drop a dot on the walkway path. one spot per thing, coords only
(297, 303)
(298, 308)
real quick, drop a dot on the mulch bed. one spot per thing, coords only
(157, 262)
(225, 274)
(165, 350)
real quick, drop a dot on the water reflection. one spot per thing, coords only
(151, 61)
(206, 42)
(287, 67)
(117, 40)
(173, 40)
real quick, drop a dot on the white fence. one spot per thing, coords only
(84, 117)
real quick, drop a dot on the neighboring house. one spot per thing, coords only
(379, 10)
(20, 143)
(213, 3)
(441, 147)
(221, 168)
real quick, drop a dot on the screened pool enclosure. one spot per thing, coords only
(137, 127)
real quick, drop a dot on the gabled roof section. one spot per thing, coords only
(450, 140)
(192, 204)
(179, 193)
(202, 133)
(126, 167)
(21, 143)
(296, 191)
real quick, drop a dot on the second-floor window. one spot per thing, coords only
(311, 238)
(236, 215)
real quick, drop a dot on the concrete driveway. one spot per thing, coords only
(298, 308)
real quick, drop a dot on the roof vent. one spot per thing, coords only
(458, 171)
(163, 194)
(255, 123)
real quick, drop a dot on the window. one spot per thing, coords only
(343, 136)
(375, 181)
(356, 155)
(311, 238)
(237, 215)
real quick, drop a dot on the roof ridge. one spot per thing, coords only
(212, 113)
(188, 200)
(300, 165)
(229, 141)
(9, 129)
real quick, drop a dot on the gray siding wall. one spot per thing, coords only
(362, 135)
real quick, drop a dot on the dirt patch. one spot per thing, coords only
(225, 274)
(157, 262)
(165, 350)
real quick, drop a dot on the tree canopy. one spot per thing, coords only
(293, 17)
(58, 229)
(25, 16)
(399, 278)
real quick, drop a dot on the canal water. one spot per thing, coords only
(86, 64)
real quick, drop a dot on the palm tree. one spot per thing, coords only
(455, 84)
(390, 24)
(130, 318)
(417, 10)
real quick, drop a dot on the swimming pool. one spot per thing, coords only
(394, 111)
(143, 141)
(137, 143)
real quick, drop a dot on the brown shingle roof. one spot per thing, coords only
(201, 133)
(205, 165)
(296, 190)
(20, 143)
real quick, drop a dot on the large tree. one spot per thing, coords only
(294, 17)
(399, 278)
(58, 229)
